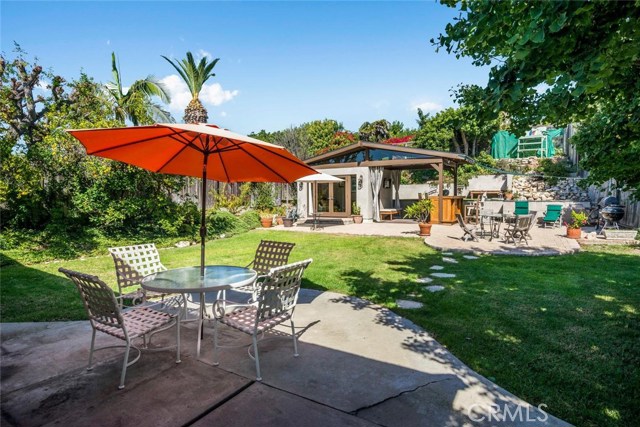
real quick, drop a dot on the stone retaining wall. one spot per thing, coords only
(537, 189)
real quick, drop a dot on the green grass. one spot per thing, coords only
(563, 331)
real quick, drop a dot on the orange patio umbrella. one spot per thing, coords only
(198, 150)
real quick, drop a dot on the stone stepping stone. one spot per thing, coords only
(447, 253)
(449, 260)
(437, 267)
(443, 275)
(469, 256)
(412, 305)
(434, 288)
(424, 280)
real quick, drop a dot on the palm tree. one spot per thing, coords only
(194, 76)
(128, 104)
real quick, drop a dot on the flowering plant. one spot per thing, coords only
(578, 219)
(399, 140)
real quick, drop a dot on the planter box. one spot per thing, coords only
(620, 234)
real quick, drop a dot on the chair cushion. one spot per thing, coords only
(244, 320)
(138, 321)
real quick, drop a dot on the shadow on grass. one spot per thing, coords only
(549, 329)
(31, 295)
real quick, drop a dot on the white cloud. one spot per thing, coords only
(223, 114)
(108, 42)
(211, 95)
(427, 107)
(203, 53)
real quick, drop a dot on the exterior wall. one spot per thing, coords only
(364, 197)
(488, 182)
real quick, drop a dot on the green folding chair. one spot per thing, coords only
(522, 207)
(553, 216)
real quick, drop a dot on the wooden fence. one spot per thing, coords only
(631, 217)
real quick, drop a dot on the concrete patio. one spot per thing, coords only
(545, 241)
(359, 365)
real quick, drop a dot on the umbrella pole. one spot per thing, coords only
(203, 207)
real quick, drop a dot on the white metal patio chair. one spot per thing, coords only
(105, 316)
(269, 254)
(275, 303)
(132, 264)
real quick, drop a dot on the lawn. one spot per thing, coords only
(563, 331)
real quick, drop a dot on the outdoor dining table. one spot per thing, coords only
(495, 219)
(217, 278)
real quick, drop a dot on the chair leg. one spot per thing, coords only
(178, 338)
(215, 342)
(255, 350)
(93, 341)
(295, 341)
(125, 364)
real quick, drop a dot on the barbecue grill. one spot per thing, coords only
(611, 212)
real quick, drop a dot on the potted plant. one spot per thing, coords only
(355, 213)
(421, 212)
(281, 211)
(574, 229)
(266, 219)
(508, 195)
(292, 216)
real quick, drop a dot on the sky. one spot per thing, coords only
(281, 63)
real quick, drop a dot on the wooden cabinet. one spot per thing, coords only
(451, 205)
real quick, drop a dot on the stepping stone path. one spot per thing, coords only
(447, 253)
(424, 280)
(434, 288)
(449, 260)
(403, 303)
(443, 275)
(470, 256)
(437, 267)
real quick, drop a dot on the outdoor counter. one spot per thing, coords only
(451, 205)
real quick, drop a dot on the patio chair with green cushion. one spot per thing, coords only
(522, 207)
(553, 216)
(105, 316)
(276, 300)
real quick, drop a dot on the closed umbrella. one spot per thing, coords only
(315, 179)
(198, 150)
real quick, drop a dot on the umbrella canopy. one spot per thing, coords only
(319, 177)
(183, 149)
(198, 150)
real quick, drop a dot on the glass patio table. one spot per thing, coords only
(217, 278)
(495, 219)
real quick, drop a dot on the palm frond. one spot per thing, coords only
(150, 87)
(194, 75)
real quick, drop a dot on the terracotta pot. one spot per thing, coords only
(425, 228)
(357, 219)
(266, 222)
(279, 220)
(288, 222)
(574, 233)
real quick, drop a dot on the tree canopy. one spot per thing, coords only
(560, 62)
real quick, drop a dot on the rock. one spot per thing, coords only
(437, 267)
(424, 280)
(443, 275)
(434, 288)
(469, 256)
(183, 244)
(449, 260)
(412, 305)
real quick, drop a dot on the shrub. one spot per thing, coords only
(223, 222)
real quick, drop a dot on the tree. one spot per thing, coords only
(135, 104)
(294, 139)
(558, 62)
(321, 133)
(374, 132)
(195, 77)
(21, 110)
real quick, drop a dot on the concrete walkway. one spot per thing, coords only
(359, 365)
(545, 241)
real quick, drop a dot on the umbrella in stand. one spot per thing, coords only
(316, 178)
(198, 150)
